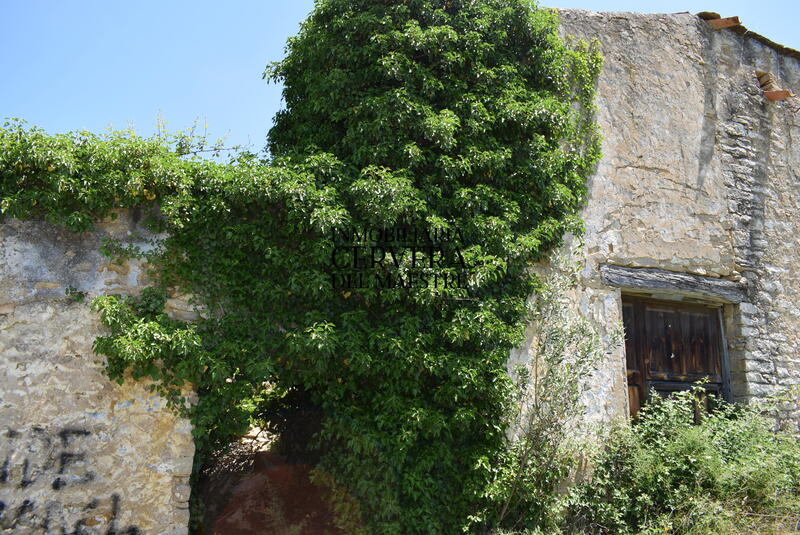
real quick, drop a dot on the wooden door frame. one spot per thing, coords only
(725, 363)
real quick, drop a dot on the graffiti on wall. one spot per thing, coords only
(38, 467)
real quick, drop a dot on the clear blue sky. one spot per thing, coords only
(88, 64)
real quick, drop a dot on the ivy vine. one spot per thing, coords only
(467, 115)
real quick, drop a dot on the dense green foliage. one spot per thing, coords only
(667, 473)
(74, 179)
(466, 115)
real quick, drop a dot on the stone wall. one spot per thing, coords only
(78, 453)
(700, 174)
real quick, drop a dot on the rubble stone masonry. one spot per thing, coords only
(78, 452)
(700, 174)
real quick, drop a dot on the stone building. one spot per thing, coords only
(692, 242)
(693, 219)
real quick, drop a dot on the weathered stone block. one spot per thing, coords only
(77, 449)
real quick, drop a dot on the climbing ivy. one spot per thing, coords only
(461, 118)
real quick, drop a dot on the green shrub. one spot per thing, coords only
(667, 472)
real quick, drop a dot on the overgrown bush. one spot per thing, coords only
(669, 473)
(468, 116)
